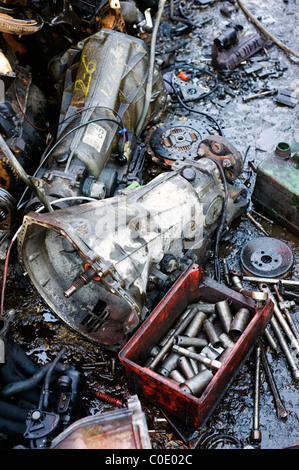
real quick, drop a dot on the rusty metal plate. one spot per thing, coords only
(266, 257)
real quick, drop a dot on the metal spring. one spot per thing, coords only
(109, 399)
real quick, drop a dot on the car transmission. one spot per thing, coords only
(92, 263)
(104, 91)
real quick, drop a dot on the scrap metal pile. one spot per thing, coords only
(115, 188)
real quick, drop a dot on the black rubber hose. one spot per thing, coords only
(46, 387)
(12, 412)
(12, 428)
(20, 358)
(26, 384)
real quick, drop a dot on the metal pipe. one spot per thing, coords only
(280, 409)
(169, 343)
(225, 353)
(212, 363)
(211, 333)
(293, 340)
(194, 364)
(284, 346)
(286, 312)
(224, 314)
(204, 307)
(168, 364)
(149, 85)
(271, 341)
(256, 435)
(239, 323)
(198, 383)
(23, 175)
(182, 340)
(195, 325)
(177, 376)
(286, 282)
(185, 366)
(226, 341)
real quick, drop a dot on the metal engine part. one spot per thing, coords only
(232, 48)
(102, 101)
(175, 141)
(121, 429)
(189, 139)
(91, 263)
(266, 257)
(21, 102)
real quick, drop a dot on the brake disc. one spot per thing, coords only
(266, 257)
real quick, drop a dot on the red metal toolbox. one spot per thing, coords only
(192, 286)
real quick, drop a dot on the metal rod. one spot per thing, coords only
(23, 175)
(280, 317)
(280, 409)
(212, 363)
(287, 313)
(285, 348)
(169, 343)
(286, 282)
(256, 435)
(271, 341)
(257, 224)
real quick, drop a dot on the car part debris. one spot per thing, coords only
(118, 429)
(169, 143)
(276, 189)
(100, 109)
(260, 94)
(22, 116)
(36, 403)
(285, 305)
(175, 141)
(265, 31)
(266, 257)
(232, 48)
(267, 280)
(22, 22)
(193, 83)
(162, 388)
(257, 224)
(102, 247)
(284, 324)
(109, 399)
(286, 98)
(289, 354)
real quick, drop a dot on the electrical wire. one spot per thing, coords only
(192, 68)
(194, 110)
(68, 133)
(222, 222)
(73, 130)
(149, 85)
(79, 111)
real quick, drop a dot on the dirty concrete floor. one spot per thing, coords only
(254, 128)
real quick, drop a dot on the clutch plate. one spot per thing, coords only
(176, 141)
(266, 257)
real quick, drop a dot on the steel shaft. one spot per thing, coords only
(280, 409)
